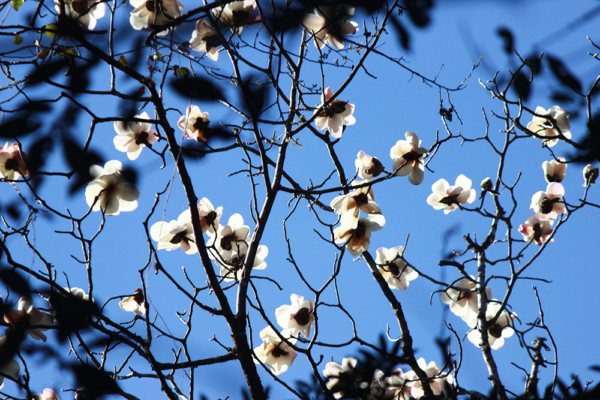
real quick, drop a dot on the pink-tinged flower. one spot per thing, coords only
(498, 331)
(551, 131)
(359, 199)
(237, 14)
(27, 315)
(328, 23)
(146, 15)
(175, 234)
(344, 379)
(48, 394)
(555, 170)
(194, 124)
(209, 216)
(86, 12)
(12, 162)
(335, 115)
(274, 352)
(368, 167)
(231, 238)
(232, 267)
(296, 318)
(133, 136)
(463, 299)
(135, 303)
(206, 39)
(10, 368)
(547, 205)
(536, 230)
(448, 197)
(438, 385)
(393, 268)
(590, 173)
(408, 155)
(396, 387)
(356, 233)
(109, 192)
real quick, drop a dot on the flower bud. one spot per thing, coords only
(486, 185)
(555, 170)
(590, 173)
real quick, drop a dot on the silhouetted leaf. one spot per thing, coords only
(419, 11)
(38, 152)
(507, 38)
(96, 382)
(563, 74)
(24, 121)
(196, 88)
(522, 86)
(13, 211)
(14, 281)
(80, 162)
(535, 63)
(71, 313)
(254, 93)
(563, 97)
(47, 70)
(403, 34)
(130, 175)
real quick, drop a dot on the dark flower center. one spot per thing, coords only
(278, 352)
(537, 232)
(449, 200)
(212, 41)
(200, 124)
(81, 7)
(412, 156)
(546, 205)
(495, 331)
(180, 237)
(150, 6)
(142, 138)
(302, 317)
(210, 218)
(361, 199)
(334, 108)
(226, 242)
(376, 169)
(360, 230)
(11, 165)
(138, 296)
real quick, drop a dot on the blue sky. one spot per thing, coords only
(386, 107)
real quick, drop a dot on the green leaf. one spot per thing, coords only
(51, 27)
(123, 61)
(43, 53)
(183, 72)
(18, 39)
(17, 4)
(158, 56)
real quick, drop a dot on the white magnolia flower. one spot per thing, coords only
(28, 315)
(231, 238)
(393, 269)
(368, 167)
(590, 173)
(343, 378)
(408, 155)
(237, 14)
(335, 115)
(232, 268)
(78, 293)
(175, 234)
(548, 205)
(209, 216)
(551, 131)
(154, 12)
(555, 170)
(274, 352)
(356, 233)
(437, 385)
(12, 162)
(10, 368)
(194, 124)
(298, 317)
(328, 23)
(359, 199)
(205, 39)
(133, 136)
(48, 394)
(536, 230)
(135, 303)
(114, 195)
(396, 386)
(449, 197)
(86, 12)
(498, 331)
(463, 301)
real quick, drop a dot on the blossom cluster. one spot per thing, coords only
(349, 380)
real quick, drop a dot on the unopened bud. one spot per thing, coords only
(486, 185)
(590, 173)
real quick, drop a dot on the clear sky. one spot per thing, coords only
(388, 104)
